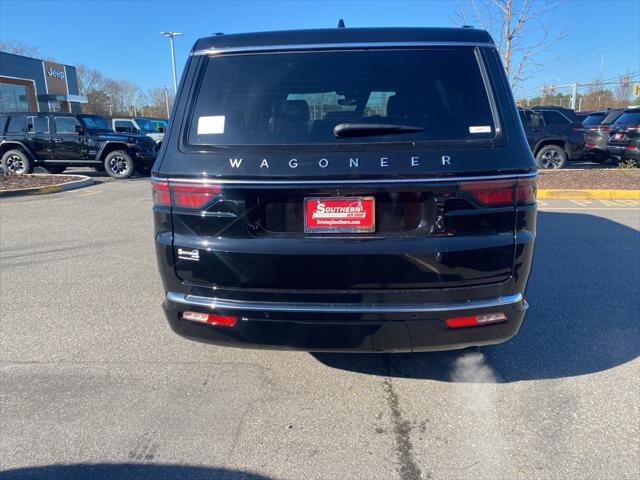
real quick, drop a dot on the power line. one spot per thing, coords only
(577, 58)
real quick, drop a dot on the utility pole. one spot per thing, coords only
(170, 36)
(574, 95)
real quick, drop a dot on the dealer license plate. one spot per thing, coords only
(339, 215)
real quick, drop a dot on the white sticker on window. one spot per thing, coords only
(209, 125)
(480, 129)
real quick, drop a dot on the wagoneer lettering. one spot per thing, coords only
(371, 190)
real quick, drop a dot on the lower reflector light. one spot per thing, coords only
(210, 318)
(476, 320)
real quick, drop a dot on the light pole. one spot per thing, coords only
(170, 36)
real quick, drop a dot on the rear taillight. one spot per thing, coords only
(631, 147)
(501, 193)
(591, 145)
(161, 195)
(182, 194)
(526, 191)
(192, 196)
(497, 193)
(603, 128)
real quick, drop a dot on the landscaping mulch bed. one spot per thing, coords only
(21, 182)
(591, 179)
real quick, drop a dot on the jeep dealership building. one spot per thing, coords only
(33, 85)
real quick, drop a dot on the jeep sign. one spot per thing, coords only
(54, 72)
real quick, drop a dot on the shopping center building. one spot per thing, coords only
(33, 85)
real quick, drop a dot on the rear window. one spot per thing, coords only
(298, 98)
(611, 117)
(629, 118)
(594, 119)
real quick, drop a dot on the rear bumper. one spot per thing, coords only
(595, 152)
(345, 326)
(621, 152)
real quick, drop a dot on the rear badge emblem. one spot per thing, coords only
(192, 255)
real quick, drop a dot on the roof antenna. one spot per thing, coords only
(341, 23)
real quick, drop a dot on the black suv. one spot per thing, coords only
(56, 141)
(624, 136)
(597, 126)
(345, 189)
(552, 143)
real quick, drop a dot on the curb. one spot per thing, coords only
(82, 181)
(563, 194)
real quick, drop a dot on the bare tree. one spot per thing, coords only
(522, 30)
(19, 48)
(89, 79)
(157, 106)
(623, 91)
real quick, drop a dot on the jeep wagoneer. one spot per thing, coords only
(345, 190)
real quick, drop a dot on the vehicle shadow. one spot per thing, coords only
(127, 471)
(584, 315)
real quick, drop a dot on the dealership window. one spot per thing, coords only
(13, 98)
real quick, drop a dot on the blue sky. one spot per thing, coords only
(121, 38)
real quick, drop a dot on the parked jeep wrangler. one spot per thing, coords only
(56, 141)
(345, 189)
(552, 142)
(151, 127)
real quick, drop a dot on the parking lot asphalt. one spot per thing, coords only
(93, 384)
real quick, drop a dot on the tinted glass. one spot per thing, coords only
(124, 126)
(612, 116)
(530, 119)
(294, 98)
(594, 119)
(65, 124)
(629, 118)
(552, 117)
(93, 122)
(147, 125)
(38, 125)
(17, 124)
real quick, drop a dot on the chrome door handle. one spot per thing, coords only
(58, 140)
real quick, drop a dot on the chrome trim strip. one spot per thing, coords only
(222, 304)
(339, 181)
(331, 46)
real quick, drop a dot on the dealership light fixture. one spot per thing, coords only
(170, 36)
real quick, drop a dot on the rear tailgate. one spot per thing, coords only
(426, 235)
